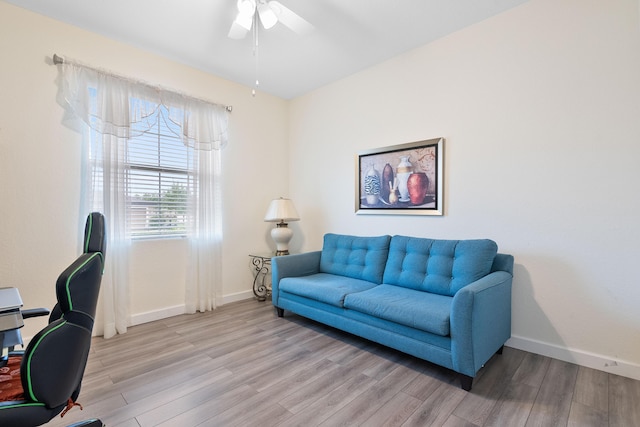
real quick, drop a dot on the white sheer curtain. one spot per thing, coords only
(204, 290)
(108, 105)
(104, 190)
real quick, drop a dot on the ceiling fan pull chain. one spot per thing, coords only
(255, 52)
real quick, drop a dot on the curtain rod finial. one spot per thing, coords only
(57, 59)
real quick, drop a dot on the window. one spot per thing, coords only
(159, 177)
(137, 170)
(160, 174)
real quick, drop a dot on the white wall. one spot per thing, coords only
(540, 109)
(40, 227)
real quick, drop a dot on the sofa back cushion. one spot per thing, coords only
(438, 266)
(354, 256)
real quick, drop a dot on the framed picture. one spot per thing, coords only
(405, 179)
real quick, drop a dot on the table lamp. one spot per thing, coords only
(281, 211)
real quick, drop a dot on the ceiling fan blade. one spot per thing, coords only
(290, 19)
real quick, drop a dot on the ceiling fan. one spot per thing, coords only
(269, 14)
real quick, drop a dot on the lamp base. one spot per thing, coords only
(281, 235)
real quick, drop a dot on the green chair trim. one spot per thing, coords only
(87, 236)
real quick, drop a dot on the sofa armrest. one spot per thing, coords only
(297, 265)
(480, 321)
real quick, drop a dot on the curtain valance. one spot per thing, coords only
(122, 107)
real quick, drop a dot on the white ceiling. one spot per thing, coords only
(349, 36)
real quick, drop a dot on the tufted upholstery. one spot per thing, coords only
(438, 266)
(357, 257)
(444, 301)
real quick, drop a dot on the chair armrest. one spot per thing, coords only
(34, 312)
(480, 321)
(292, 266)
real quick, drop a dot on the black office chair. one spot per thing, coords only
(52, 365)
(94, 241)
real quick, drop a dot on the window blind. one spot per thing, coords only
(159, 180)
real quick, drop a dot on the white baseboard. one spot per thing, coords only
(579, 357)
(239, 296)
(151, 316)
(164, 313)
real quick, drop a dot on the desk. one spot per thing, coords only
(261, 263)
(10, 321)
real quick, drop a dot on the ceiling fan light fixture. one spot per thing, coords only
(245, 21)
(267, 16)
(246, 7)
(269, 13)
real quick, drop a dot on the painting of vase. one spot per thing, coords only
(372, 186)
(401, 179)
(417, 186)
(404, 170)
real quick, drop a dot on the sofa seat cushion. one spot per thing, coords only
(421, 310)
(327, 288)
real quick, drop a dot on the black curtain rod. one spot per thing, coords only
(57, 60)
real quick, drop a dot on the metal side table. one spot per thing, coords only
(261, 263)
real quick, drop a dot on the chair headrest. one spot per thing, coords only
(94, 233)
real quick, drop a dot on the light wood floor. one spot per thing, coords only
(241, 365)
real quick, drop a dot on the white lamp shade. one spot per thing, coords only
(281, 210)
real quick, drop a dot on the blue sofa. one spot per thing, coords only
(444, 301)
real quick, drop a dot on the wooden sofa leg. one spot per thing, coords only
(466, 382)
(280, 311)
(500, 350)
